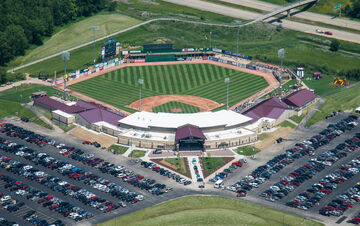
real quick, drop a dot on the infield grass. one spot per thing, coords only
(119, 88)
(185, 108)
(209, 210)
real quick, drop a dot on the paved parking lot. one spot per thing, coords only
(179, 190)
(313, 212)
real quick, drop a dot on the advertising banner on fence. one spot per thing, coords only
(217, 50)
(140, 61)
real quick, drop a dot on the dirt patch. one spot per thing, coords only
(150, 102)
(104, 140)
(271, 137)
(176, 110)
(207, 173)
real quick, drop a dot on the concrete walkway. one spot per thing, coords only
(291, 121)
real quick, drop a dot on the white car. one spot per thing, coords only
(320, 31)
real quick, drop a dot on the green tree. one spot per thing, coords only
(5, 49)
(334, 46)
(112, 6)
(3, 78)
(16, 39)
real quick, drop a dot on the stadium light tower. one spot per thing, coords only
(65, 56)
(94, 28)
(227, 81)
(281, 55)
(140, 81)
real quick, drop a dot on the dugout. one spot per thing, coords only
(189, 138)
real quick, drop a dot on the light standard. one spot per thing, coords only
(281, 55)
(140, 81)
(94, 28)
(65, 56)
(227, 81)
(210, 39)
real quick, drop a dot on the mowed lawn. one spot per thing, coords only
(80, 32)
(119, 88)
(209, 210)
(348, 99)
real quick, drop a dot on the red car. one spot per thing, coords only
(86, 142)
(328, 33)
(241, 194)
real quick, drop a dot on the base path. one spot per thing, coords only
(149, 102)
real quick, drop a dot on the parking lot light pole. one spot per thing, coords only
(227, 81)
(94, 28)
(140, 81)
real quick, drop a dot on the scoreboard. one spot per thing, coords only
(110, 48)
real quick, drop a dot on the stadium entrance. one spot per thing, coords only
(189, 138)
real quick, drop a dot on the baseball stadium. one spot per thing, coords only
(175, 99)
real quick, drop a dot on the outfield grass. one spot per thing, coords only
(80, 32)
(345, 100)
(118, 149)
(248, 150)
(137, 153)
(185, 108)
(178, 162)
(120, 88)
(209, 210)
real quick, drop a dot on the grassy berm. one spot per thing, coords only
(209, 210)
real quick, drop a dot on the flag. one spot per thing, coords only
(337, 7)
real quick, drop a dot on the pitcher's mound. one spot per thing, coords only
(176, 110)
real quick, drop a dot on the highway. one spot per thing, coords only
(247, 15)
(265, 6)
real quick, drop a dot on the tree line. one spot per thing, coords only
(28, 22)
(353, 74)
(353, 9)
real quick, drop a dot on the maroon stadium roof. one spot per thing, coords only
(86, 105)
(299, 98)
(54, 104)
(270, 108)
(100, 114)
(189, 131)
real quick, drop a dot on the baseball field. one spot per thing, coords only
(120, 88)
